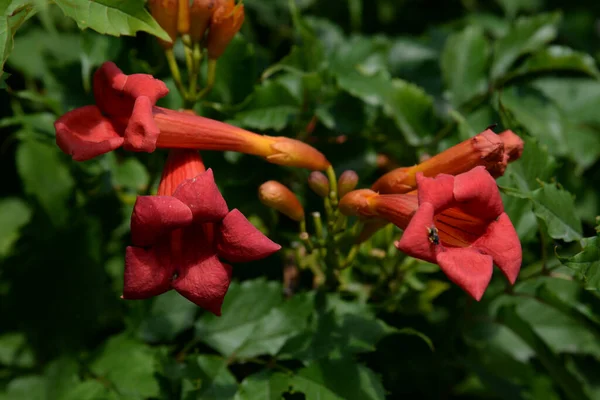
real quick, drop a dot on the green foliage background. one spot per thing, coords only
(400, 78)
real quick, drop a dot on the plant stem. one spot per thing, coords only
(175, 72)
(210, 79)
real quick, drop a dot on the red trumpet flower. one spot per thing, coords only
(125, 115)
(181, 236)
(457, 222)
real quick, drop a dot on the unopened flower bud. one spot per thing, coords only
(201, 12)
(347, 182)
(319, 183)
(225, 22)
(275, 195)
(165, 13)
(183, 17)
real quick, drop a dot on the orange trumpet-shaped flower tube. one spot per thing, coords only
(125, 115)
(486, 149)
(457, 222)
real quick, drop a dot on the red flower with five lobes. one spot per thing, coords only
(125, 115)
(181, 236)
(474, 233)
(457, 222)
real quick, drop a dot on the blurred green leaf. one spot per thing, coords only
(272, 107)
(129, 366)
(587, 262)
(209, 379)
(556, 208)
(171, 314)
(12, 15)
(273, 330)
(513, 7)
(534, 166)
(528, 34)
(245, 305)
(338, 328)
(264, 385)
(95, 50)
(14, 351)
(411, 109)
(14, 214)
(579, 98)
(112, 17)
(464, 64)
(558, 58)
(509, 317)
(338, 379)
(36, 51)
(46, 178)
(30, 387)
(131, 174)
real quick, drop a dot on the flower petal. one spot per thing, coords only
(155, 216)
(239, 241)
(202, 196)
(468, 269)
(84, 133)
(502, 243)
(146, 274)
(141, 132)
(479, 191)
(205, 283)
(115, 92)
(415, 239)
(437, 191)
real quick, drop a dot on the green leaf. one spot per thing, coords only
(209, 379)
(535, 165)
(554, 365)
(112, 17)
(264, 385)
(464, 64)
(131, 174)
(14, 351)
(128, 365)
(14, 214)
(338, 379)
(171, 314)
(556, 207)
(90, 390)
(527, 35)
(272, 107)
(12, 15)
(338, 328)
(411, 109)
(579, 98)
(244, 306)
(512, 7)
(539, 115)
(558, 58)
(36, 51)
(273, 330)
(46, 178)
(587, 262)
(30, 387)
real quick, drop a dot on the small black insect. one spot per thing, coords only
(432, 233)
(492, 126)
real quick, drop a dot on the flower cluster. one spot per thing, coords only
(457, 222)
(217, 21)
